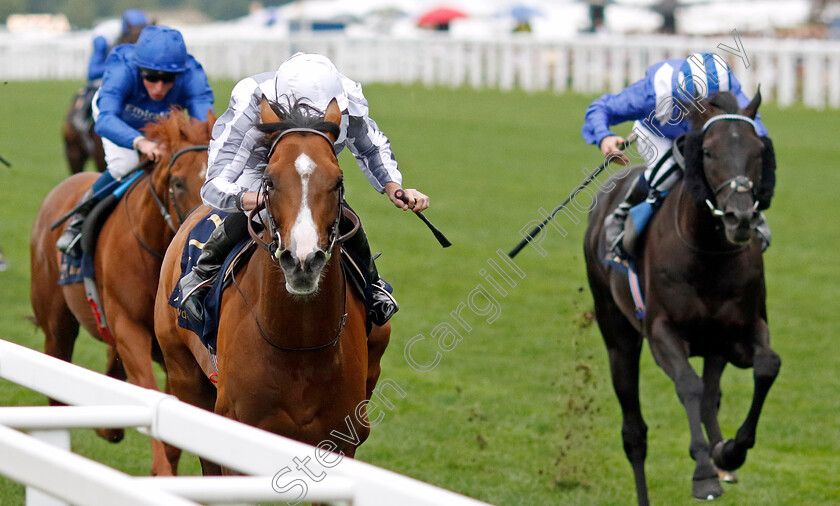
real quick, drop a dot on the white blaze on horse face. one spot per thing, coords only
(304, 234)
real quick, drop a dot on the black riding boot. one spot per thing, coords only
(382, 304)
(614, 222)
(68, 241)
(194, 286)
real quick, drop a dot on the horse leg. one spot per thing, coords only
(117, 371)
(185, 380)
(98, 151)
(74, 149)
(710, 406)
(377, 341)
(56, 320)
(624, 346)
(135, 350)
(731, 454)
(671, 354)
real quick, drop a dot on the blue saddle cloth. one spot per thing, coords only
(207, 329)
(75, 269)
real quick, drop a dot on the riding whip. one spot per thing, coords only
(533, 233)
(400, 194)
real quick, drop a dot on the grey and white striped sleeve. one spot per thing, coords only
(368, 144)
(235, 161)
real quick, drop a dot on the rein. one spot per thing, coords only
(159, 202)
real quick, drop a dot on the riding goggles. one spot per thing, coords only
(154, 76)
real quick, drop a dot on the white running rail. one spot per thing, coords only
(55, 476)
(789, 71)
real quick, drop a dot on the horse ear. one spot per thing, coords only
(333, 114)
(267, 113)
(211, 120)
(752, 108)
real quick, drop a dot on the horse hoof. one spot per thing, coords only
(707, 489)
(726, 457)
(111, 435)
(727, 476)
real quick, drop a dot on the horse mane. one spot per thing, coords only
(694, 179)
(176, 128)
(295, 113)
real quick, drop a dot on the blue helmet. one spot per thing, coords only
(133, 17)
(161, 48)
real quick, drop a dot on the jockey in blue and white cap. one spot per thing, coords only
(656, 104)
(237, 161)
(141, 83)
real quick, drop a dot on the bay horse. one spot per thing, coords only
(127, 258)
(81, 142)
(292, 350)
(701, 272)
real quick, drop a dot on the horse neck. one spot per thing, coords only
(301, 322)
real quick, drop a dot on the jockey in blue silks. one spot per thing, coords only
(658, 103)
(141, 82)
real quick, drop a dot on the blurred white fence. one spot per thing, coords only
(55, 477)
(789, 71)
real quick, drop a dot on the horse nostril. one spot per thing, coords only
(729, 218)
(315, 261)
(287, 262)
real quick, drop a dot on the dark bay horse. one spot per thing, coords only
(128, 257)
(701, 271)
(81, 143)
(292, 351)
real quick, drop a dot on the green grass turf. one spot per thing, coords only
(521, 411)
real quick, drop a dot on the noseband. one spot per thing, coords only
(737, 184)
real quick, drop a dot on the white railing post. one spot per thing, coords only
(59, 439)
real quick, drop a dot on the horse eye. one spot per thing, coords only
(178, 183)
(269, 184)
(707, 153)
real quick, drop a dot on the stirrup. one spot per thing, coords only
(207, 283)
(615, 251)
(72, 247)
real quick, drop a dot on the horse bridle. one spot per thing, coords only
(275, 248)
(164, 211)
(275, 245)
(737, 184)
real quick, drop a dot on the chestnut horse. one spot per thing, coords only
(701, 271)
(80, 141)
(292, 352)
(127, 259)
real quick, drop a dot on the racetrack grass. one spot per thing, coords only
(521, 411)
